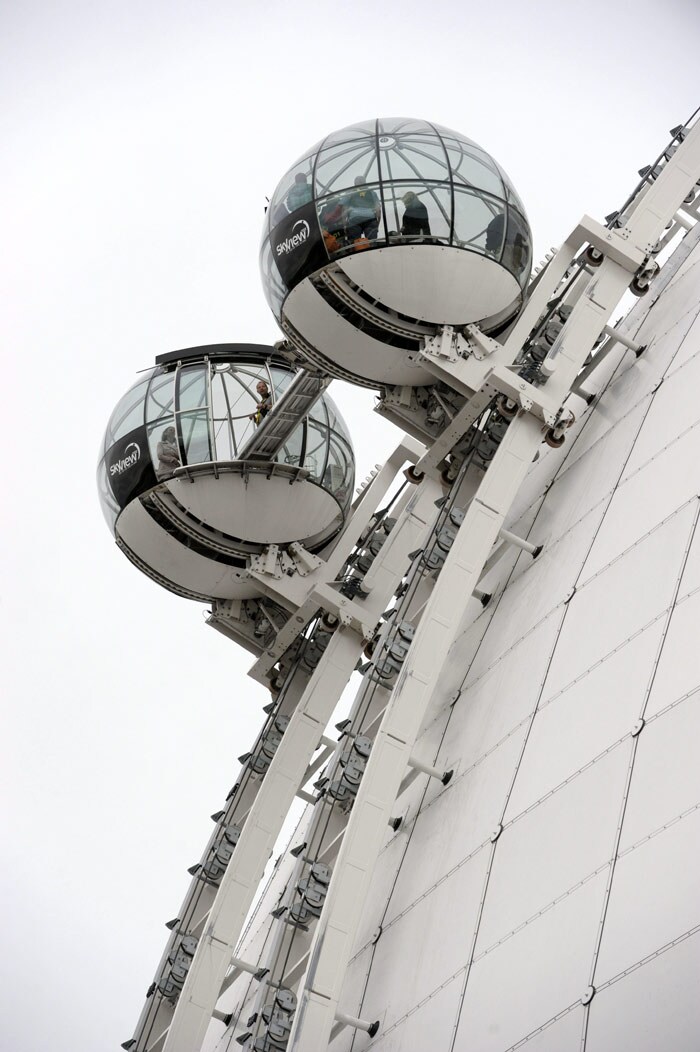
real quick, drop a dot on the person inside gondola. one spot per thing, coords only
(299, 194)
(363, 213)
(332, 219)
(415, 218)
(166, 451)
(264, 405)
(494, 235)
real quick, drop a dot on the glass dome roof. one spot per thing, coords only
(390, 182)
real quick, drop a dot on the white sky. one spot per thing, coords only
(140, 142)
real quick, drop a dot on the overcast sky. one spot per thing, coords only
(140, 141)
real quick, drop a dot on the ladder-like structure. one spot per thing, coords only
(285, 416)
(423, 563)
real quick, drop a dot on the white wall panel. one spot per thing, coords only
(592, 477)
(690, 581)
(675, 309)
(621, 400)
(562, 1036)
(655, 1008)
(503, 695)
(543, 585)
(690, 344)
(654, 897)
(432, 942)
(667, 755)
(650, 496)
(676, 398)
(441, 841)
(587, 718)
(678, 671)
(382, 884)
(611, 607)
(532, 977)
(554, 846)
(429, 1026)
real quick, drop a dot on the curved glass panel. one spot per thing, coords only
(418, 211)
(338, 166)
(128, 412)
(474, 219)
(350, 193)
(517, 251)
(209, 411)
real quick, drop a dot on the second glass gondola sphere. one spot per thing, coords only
(381, 233)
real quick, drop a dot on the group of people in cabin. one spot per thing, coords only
(351, 219)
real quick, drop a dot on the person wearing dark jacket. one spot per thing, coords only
(363, 211)
(264, 405)
(415, 218)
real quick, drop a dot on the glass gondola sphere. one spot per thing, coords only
(185, 495)
(382, 232)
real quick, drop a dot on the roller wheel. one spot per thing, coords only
(594, 257)
(413, 476)
(639, 287)
(552, 440)
(507, 411)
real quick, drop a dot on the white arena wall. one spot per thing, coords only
(549, 897)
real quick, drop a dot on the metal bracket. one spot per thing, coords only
(532, 399)
(479, 344)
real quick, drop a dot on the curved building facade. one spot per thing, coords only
(547, 899)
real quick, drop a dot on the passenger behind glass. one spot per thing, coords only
(300, 193)
(494, 235)
(415, 217)
(264, 405)
(166, 451)
(363, 212)
(332, 218)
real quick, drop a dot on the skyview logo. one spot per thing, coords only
(132, 455)
(296, 238)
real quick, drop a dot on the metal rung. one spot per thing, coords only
(285, 416)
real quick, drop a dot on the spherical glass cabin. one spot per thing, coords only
(182, 481)
(384, 231)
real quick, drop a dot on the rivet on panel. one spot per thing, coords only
(638, 727)
(588, 995)
(496, 833)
